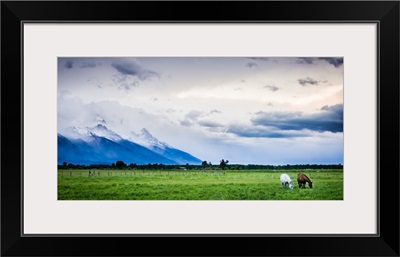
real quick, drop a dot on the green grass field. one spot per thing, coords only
(196, 185)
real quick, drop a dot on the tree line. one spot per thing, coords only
(204, 166)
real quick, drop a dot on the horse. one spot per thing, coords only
(302, 179)
(285, 180)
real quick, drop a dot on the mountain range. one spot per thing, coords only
(100, 145)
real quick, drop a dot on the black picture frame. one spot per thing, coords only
(383, 13)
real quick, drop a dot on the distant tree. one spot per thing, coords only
(120, 164)
(113, 165)
(223, 164)
(204, 163)
(64, 165)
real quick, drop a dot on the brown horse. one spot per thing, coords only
(302, 179)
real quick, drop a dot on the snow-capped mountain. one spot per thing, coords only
(148, 140)
(100, 145)
(87, 133)
(102, 131)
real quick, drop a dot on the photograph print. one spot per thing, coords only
(200, 128)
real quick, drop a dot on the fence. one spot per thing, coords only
(132, 173)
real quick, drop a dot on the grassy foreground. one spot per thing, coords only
(196, 185)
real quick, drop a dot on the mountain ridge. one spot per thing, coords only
(100, 145)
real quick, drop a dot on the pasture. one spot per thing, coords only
(196, 185)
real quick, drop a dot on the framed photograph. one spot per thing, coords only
(272, 126)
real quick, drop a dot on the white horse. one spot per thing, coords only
(285, 180)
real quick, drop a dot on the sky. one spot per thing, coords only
(248, 110)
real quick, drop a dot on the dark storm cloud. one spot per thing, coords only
(259, 131)
(308, 81)
(209, 124)
(251, 64)
(69, 64)
(335, 61)
(87, 65)
(131, 67)
(272, 87)
(338, 109)
(330, 118)
(307, 60)
(130, 73)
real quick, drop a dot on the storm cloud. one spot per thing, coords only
(69, 64)
(72, 62)
(130, 66)
(335, 61)
(330, 118)
(306, 60)
(87, 65)
(264, 132)
(272, 87)
(308, 81)
(209, 124)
